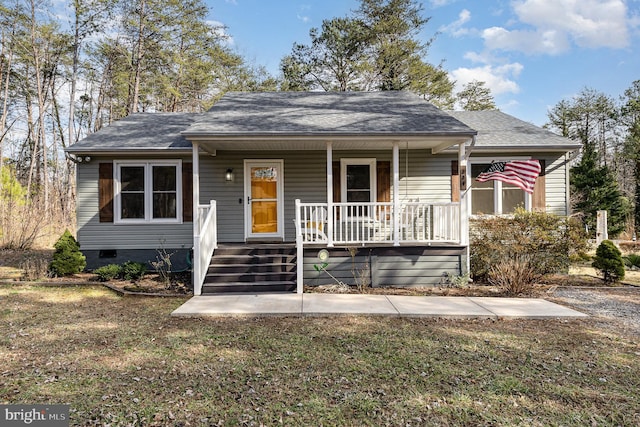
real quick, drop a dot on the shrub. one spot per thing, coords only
(632, 261)
(608, 262)
(67, 258)
(133, 271)
(108, 272)
(545, 242)
(513, 277)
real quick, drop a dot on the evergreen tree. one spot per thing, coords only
(594, 188)
(67, 258)
(475, 96)
(631, 121)
(608, 261)
(375, 49)
(591, 118)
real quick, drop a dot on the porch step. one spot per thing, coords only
(252, 268)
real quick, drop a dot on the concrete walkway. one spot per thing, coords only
(262, 305)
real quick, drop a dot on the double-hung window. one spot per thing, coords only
(358, 182)
(148, 191)
(495, 197)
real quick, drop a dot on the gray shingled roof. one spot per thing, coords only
(325, 114)
(497, 130)
(300, 114)
(140, 131)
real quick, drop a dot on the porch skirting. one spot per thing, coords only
(405, 266)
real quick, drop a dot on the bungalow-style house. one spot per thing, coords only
(252, 192)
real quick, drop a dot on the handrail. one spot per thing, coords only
(205, 242)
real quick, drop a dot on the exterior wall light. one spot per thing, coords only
(228, 176)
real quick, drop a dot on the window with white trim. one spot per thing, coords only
(148, 191)
(495, 197)
(358, 182)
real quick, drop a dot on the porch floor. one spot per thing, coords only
(268, 305)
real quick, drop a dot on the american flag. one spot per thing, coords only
(521, 173)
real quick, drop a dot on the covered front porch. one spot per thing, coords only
(407, 219)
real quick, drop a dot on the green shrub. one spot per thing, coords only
(632, 261)
(608, 262)
(108, 272)
(67, 258)
(545, 242)
(133, 271)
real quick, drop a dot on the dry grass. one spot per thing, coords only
(124, 361)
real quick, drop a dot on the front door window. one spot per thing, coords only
(264, 191)
(264, 199)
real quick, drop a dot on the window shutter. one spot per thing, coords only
(105, 191)
(383, 181)
(187, 192)
(539, 190)
(337, 196)
(455, 181)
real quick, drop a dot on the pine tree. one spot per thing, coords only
(67, 258)
(474, 96)
(609, 262)
(595, 188)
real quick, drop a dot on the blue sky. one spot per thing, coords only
(531, 53)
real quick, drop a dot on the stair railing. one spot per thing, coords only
(205, 242)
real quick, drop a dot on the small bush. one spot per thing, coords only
(546, 242)
(632, 261)
(513, 277)
(67, 258)
(133, 271)
(608, 262)
(108, 272)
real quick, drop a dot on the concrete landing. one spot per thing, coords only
(310, 304)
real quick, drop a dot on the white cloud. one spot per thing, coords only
(550, 41)
(456, 27)
(234, 2)
(500, 79)
(440, 3)
(303, 18)
(556, 24)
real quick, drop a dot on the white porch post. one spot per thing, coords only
(197, 286)
(299, 251)
(329, 194)
(464, 202)
(396, 193)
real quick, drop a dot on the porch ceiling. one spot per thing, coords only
(319, 143)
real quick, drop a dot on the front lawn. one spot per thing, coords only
(124, 361)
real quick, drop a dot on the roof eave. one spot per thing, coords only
(127, 150)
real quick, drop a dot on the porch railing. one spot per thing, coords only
(205, 242)
(362, 223)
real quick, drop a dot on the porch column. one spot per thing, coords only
(396, 193)
(195, 277)
(329, 194)
(464, 203)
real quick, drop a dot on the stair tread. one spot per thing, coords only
(251, 265)
(265, 283)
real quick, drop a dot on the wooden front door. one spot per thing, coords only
(264, 194)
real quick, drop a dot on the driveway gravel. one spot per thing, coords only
(617, 307)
